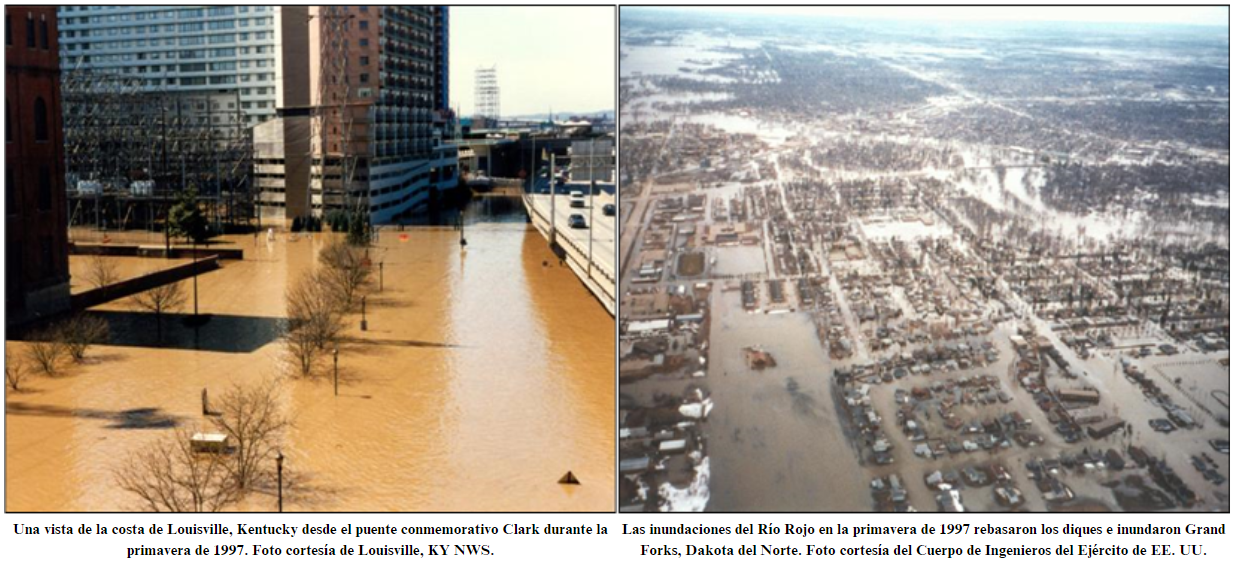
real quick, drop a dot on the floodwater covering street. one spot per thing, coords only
(483, 377)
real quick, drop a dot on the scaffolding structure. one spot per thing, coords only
(334, 152)
(488, 94)
(131, 147)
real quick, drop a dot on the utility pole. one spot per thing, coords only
(552, 198)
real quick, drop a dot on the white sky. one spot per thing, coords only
(1208, 16)
(559, 57)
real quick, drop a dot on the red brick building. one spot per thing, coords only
(35, 204)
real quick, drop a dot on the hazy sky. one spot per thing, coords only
(1209, 16)
(564, 57)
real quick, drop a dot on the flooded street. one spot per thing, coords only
(483, 377)
(773, 447)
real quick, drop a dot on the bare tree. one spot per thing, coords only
(315, 309)
(253, 417)
(169, 476)
(102, 270)
(303, 350)
(45, 351)
(165, 298)
(81, 332)
(345, 269)
(14, 371)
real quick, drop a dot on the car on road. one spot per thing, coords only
(1162, 425)
(610, 209)
(1222, 446)
(577, 221)
(577, 200)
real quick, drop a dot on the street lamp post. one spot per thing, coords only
(381, 276)
(591, 223)
(552, 198)
(336, 372)
(363, 313)
(195, 315)
(279, 460)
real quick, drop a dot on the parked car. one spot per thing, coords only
(1162, 425)
(577, 221)
(610, 209)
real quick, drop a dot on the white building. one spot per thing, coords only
(203, 49)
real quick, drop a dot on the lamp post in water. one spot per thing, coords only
(279, 460)
(195, 315)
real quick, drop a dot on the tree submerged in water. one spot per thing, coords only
(186, 220)
(178, 474)
(355, 224)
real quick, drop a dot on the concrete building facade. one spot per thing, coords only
(180, 48)
(378, 143)
(36, 236)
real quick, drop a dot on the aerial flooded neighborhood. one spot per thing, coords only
(885, 264)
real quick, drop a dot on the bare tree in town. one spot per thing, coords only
(252, 416)
(80, 332)
(169, 476)
(165, 298)
(302, 349)
(14, 371)
(102, 270)
(45, 350)
(345, 270)
(314, 312)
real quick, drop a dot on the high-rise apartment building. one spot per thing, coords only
(344, 105)
(203, 49)
(488, 94)
(376, 78)
(441, 59)
(36, 239)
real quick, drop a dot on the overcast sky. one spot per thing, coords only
(1208, 16)
(563, 57)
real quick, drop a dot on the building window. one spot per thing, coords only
(363, 78)
(8, 30)
(8, 122)
(30, 31)
(364, 60)
(44, 42)
(40, 120)
(363, 24)
(363, 42)
(44, 188)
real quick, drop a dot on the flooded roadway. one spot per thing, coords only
(483, 377)
(773, 448)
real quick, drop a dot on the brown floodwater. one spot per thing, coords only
(483, 377)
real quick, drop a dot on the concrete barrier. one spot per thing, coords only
(152, 250)
(601, 283)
